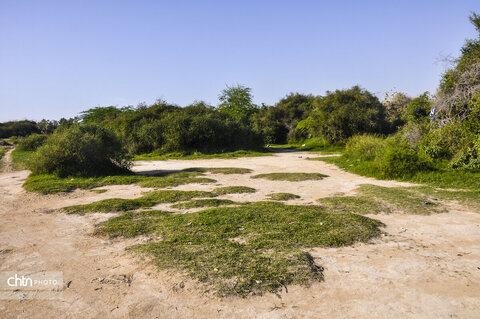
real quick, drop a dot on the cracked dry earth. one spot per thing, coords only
(425, 267)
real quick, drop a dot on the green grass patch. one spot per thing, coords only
(233, 190)
(220, 170)
(244, 250)
(291, 177)
(20, 158)
(197, 155)
(51, 184)
(441, 176)
(375, 199)
(283, 196)
(313, 144)
(147, 200)
(209, 202)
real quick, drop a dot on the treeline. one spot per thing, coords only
(401, 134)
(26, 127)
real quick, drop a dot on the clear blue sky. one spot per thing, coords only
(58, 58)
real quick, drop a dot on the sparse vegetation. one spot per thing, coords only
(234, 190)
(291, 177)
(283, 196)
(51, 184)
(376, 199)
(439, 176)
(209, 202)
(244, 250)
(155, 156)
(147, 200)
(219, 170)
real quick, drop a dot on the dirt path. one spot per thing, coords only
(6, 165)
(427, 266)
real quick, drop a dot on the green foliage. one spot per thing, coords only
(400, 161)
(237, 102)
(468, 159)
(277, 124)
(244, 250)
(439, 176)
(100, 114)
(395, 107)
(80, 150)
(344, 113)
(18, 128)
(364, 147)
(418, 109)
(282, 196)
(291, 177)
(162, 128)
(32, 142)
(233, 190)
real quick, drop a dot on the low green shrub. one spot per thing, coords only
(364, 147)
(469, 159)
(32, 142)
(80, 150)
(400, 160)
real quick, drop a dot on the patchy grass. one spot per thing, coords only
(376, 199)
(233, 190)
(131, 224)
(282, 196)
(50, 184)
(147, 200)
(441, 176)
(244, 250)
(20, 158)
(209, 202)
(220, 170)
(468, 198)
(291, 177)
(197, 155)
(99, 191)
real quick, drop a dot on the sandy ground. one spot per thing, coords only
(425, 267)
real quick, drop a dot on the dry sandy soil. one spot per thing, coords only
(425, 267)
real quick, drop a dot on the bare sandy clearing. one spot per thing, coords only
(425, 268)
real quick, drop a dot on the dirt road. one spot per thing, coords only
(426, 267)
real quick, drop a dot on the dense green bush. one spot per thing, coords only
(18, 128)
(418, 109)
(399, 160)
(80, 150)
(277, 124)
(168, 128)
(344, 113)
(364, 147)
(32, 142)
(469, 159)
